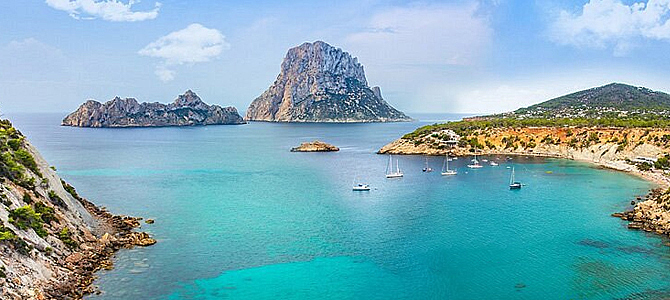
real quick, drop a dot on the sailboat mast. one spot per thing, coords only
(511, 180)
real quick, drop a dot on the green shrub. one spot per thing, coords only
(15, 144)
(25, 158)
(64, 235)
(27, 199)
(46, 213)
(55, 199)
(25, 217)
(644, 166)
(8, 236)
(663, 163)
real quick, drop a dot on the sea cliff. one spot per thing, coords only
(321, 83)
(52, 240)
(187, 110)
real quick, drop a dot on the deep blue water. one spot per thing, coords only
(238, 216)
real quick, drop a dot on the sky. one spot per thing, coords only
(462, 56)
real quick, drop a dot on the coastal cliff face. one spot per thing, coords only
(580, 143)
(51, 239)
(187, 110)
(320, 83)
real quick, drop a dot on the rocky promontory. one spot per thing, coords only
(650, 215)
(52, 241)
(321, 83)
(187, 110)
(315, 146)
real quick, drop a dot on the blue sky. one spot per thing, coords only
(429, 56)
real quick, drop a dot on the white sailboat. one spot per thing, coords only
(475, 164)
(389, 169)
(514, 185)
(445, 167)
(427, 169)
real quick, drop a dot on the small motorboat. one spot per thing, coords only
(494, 164)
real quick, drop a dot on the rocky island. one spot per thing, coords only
(315, 146)
(320, 83)
(617, 126)
(187, 110)
(52, 240)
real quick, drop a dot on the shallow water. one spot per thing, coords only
(238, 216)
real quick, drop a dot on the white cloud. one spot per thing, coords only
(164, 74)
(109, 10)
(193, 44)
(424, 34)
(31, 59)
(611, 23)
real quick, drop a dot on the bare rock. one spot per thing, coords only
(321, 83)
(187, 110)
(315, 146)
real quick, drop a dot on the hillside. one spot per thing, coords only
(52, 240)
(612, 125)
(614, 100)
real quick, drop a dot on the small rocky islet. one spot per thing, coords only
(187, 110)
(315, 146)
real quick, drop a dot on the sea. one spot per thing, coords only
(239, 216)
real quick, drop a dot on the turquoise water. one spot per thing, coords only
(238, 216)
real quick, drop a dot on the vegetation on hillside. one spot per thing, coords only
(15, 159)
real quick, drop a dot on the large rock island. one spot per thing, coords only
(187, 110)
(320, 83)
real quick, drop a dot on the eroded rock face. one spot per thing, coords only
(320, 83)
(187, 110)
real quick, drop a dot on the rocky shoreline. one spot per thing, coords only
(651, 215)
(97, 254)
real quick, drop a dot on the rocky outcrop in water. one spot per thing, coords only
(320, 83)
(52, 241)
(315, 146)
(652, 214)
(187, 110)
